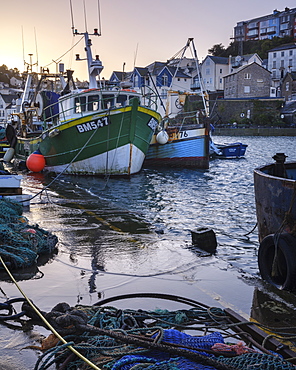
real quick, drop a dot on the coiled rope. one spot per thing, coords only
(50, 327)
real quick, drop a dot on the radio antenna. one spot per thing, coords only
(72, 17)
(94, 65)
(36, 47)
(23, 42)
(84, 9)
(99, 15)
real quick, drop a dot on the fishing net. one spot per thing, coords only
(115, 339)
(20, 243)
(2, 133)
(255, 361)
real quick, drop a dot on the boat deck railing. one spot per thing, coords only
(89, 102)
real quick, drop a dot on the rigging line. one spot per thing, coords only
(65, 52)
(68, 165)
(108, 174)
(46, 322)
(177, 54)
(250, 232)
(118, 137)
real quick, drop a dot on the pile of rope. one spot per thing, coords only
(115, 339)
(20, 243)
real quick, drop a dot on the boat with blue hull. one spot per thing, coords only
(182, 139)
(275, 198)
(185, 146)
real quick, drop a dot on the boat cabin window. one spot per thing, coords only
(121, 100)
(93, 102)
(80, 104)
(108, 101)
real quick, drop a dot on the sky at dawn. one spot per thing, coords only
(134, 32)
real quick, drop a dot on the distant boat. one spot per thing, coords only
(227, 151)
(94, 131)
(182, 140)
(275, 198)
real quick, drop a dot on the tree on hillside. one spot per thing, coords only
(3, 68)
(261, 47)
(217, 50)
(3, 74)
(6, 74)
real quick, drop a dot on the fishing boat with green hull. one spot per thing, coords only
(95, 131)
(111, 141)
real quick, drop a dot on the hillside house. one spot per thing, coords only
(249, 81)
(214, 69)
(278, 23)
(288, 86)
(281, 60)
(7, 106)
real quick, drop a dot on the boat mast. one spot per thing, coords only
(203, 91)
(94, 66)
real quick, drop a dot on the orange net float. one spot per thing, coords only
(35, 162)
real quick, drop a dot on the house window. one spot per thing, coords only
(164, 80)
(287, 86)
(247, 76)
(274, 55)
(282, 54)
(282, 63)
(220, 70)
(274, 64)
(291, 52)
(247, 89)
(290, 62)
(207, 71)
(164, 93)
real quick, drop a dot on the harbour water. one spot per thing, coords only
(133, 235)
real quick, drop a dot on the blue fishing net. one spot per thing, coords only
(161, 360)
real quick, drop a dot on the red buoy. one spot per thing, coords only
(35, 162)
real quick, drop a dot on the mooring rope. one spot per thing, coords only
(61, 173)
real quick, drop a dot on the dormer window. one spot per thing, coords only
(164, 80)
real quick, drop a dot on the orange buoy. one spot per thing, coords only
(35, 162)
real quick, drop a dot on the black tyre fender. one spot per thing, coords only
(280, 272)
